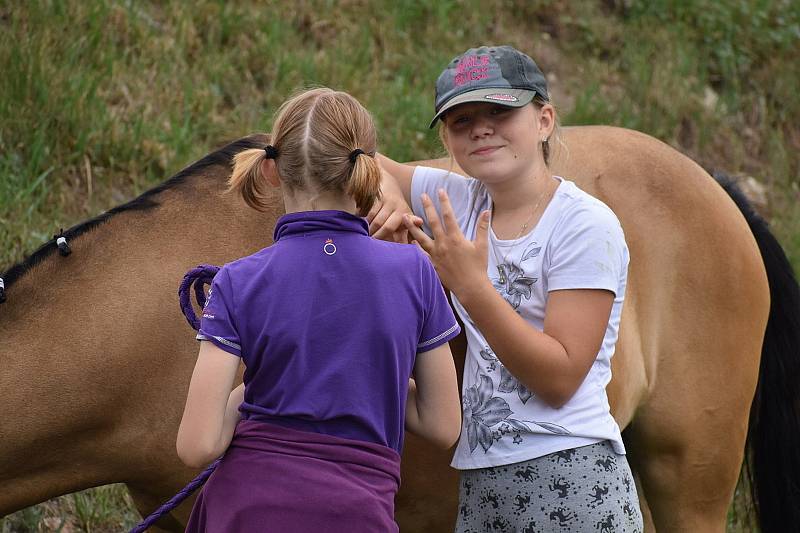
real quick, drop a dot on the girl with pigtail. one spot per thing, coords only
(330, 326)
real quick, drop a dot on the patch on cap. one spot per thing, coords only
(502, 97)
(471, 68)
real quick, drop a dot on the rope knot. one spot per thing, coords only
(200, 276)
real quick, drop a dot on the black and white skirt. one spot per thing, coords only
(589, 488)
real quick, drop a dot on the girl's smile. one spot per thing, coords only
(484, 151)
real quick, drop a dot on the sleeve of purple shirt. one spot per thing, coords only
(217, 323)
(439, 325)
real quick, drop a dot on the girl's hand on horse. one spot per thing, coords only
(386, 216)
(460, 263)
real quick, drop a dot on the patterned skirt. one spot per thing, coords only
(589, 488)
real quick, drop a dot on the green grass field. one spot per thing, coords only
(100, 100)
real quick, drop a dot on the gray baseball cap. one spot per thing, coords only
(494, 74)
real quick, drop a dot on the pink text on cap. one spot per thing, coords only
(471, 68)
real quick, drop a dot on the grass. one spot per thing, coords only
(100, 100)
(103, 99)
(104, 509)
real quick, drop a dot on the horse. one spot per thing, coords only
(96, 357)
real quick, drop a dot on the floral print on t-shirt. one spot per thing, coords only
(511, 281)
(488, 418)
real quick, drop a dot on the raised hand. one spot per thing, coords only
(460, 263)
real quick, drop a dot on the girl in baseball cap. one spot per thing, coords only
(537, 269)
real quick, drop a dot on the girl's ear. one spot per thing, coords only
(270, 172)
(547, 120)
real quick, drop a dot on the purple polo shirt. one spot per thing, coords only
(328, 322)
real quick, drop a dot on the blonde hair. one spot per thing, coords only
(538, 101)
(315, 132)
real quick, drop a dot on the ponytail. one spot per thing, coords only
(327, 143)
(364, 185)
(246, 178)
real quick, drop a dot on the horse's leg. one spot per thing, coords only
(428, 497)
(688, 439)
(695, 344)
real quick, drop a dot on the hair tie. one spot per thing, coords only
(271, 151)
(63, 246)
(355, 153)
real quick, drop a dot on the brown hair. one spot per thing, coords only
(314, 133)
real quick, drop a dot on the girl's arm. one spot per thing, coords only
(386, 216)
(433, 409)
(552, 363)
(398, 175)
(212, 409)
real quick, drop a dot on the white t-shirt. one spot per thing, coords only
(577, 244)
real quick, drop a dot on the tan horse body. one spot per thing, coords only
(96, 357)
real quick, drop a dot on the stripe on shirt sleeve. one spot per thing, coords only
(226, 342)
(438, 337)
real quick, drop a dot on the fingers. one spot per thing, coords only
(393, 228)
(401, 236)
(433, 217)
(418, 235)
(448, 217)
(417, 221)
(421, 249)
(385, 230)
(379, 219)
(376, 207)
(482, 232)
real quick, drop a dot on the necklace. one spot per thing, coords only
(501, 266)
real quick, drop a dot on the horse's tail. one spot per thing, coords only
(772, 459)
(199, 276)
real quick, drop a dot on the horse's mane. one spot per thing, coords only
(147, 200)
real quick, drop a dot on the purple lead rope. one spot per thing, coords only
(199, 277)
(177, 499)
